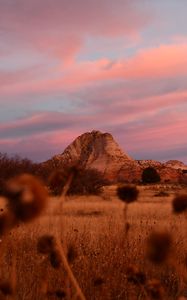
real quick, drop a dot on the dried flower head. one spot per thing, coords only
(71, 253)
(159, 246)
(4, 223)
(46, 244)
(50, 293)
(155, 289)
(6, 288)
(60, 294)
(60, 178)
(185, 260)
(135, 276)
(55, 259)
(56, 181)
(98, 281)
(128, 193)
(127, 227)
(27, 197)
(180, 203)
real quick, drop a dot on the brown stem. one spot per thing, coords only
(70, 273)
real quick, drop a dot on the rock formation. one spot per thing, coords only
(175, 164)
(100, 151)
(171, 171)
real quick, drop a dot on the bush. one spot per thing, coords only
(84, 181)
(150, 175)
(13, 166)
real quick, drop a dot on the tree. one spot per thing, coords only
(150, 175)
(84, 181)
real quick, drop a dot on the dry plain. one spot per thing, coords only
(92, 228)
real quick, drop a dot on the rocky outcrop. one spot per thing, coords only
(149, 163)
(169, 171)
(175, 164)
(170, 174)
(100, 151)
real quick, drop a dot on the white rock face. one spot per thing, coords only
(175, 164)
(100, 151)
(149, 163)
(170, 171)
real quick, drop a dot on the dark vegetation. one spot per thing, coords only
(150, 175)
(11, 167)
(127, 193)
(82, 181)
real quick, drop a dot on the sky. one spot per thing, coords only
(73, 66)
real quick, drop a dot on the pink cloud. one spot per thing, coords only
(162, 109)
(51, 132)
(46, 144)
(164, 61)
(167, 61)
(139, 92)
(59, 27)
(102, 17)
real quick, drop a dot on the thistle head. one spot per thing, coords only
(127, 193)
(46, 244)
(180, 203)
(155, 290)
(159, 246)
(27, 197)
(55, 259)
(135, 276)
(6, 288)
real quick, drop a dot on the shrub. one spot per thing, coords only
(84, 181)
(13, 166)
(150, 175)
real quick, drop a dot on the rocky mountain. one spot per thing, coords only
(176, 164)
(149, 163)
(171, 171)
(100, 151)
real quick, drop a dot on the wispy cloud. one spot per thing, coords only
(72, 66)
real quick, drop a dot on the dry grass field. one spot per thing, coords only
(99, 249)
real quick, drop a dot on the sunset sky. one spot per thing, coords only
(71, 66)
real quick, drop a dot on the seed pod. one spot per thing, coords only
(46, 244)
(158, 246)
(135, 276)
(180, 203)
(26, 196)
(155, 289)
(5, 223)
(60, 294)
(6, 288)
(55, 259)
(98, 281)
(71, 253)
(127, 193)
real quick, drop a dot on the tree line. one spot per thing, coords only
(83, 181)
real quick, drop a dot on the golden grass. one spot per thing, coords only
(94, 229)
